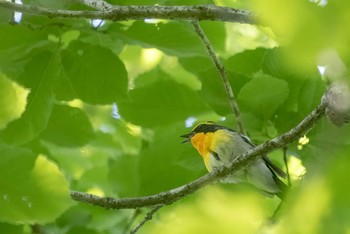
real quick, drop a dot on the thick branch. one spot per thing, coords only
(173, 195)
(121, 13)
(98, 4)
(223, 75)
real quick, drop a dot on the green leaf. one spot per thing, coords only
(123, 175)
(68, 126)
(305, 88)
(97, 75)
(18, 42)
(196, 64)
(106, 36)
(12, 100)
(247, 62)
(38, 75)
(173, 38)
(163, 102)
(263, 95)
(52, 4)
(9, 228)
(63, 88)
(213, 90)
(34, 190)
(161, 162)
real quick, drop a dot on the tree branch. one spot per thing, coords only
(122, 13)
(98, 4)
(148, 217)
(223, 75)
(168, 197)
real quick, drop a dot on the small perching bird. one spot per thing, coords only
(219, 145)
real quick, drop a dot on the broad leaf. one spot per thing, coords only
(68, 126)
(173, 38)
(32, 188)
(12, 100)
(39, 76)
(161, 162)
(18, 42)
(263, 95)
(163, 102)
(247, 62)
(97, 75)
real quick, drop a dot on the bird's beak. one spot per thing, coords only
(187, 136)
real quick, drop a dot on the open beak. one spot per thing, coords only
(188, 137)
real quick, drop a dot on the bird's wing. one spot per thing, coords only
(273, 167)
(268, 161)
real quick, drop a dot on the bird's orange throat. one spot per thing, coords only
(202, 142)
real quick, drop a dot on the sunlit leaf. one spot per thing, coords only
(12, 100)
(34, 190)
(39, 76)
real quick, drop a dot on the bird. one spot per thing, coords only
(219, 145)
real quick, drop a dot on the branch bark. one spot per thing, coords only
(168, 197)
(98, 4)
(122, 13)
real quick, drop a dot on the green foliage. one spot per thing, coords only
(101, 109)
(35, 191)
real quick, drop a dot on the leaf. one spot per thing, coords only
(38, 75)
(63, 88)
(12, 100)
(263, 95)
(18, 43)
(213, 90)
(97, 75)
(123, 175)
(247, 62)
(9, 228)
(104, 36)
(34, 190)
(160, 165)
(173, 38)
(163, 102)
(68, 126)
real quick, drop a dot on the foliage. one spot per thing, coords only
(100, 110)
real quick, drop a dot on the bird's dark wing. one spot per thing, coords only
(273, 167)
(268, 162)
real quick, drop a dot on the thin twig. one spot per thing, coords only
(148, 217)
(131, 220)
(122, 13)
(223, 75)
(168, 197)
(286, 164)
